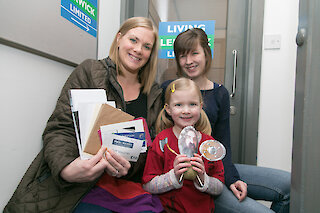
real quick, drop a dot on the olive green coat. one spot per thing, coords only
(42, 189)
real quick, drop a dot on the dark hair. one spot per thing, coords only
(187, 41)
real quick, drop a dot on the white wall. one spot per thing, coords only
(29, 88)
(109, 23)
(278, 85)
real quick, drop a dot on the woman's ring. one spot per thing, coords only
(115, 173)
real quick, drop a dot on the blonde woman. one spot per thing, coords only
(60, 181)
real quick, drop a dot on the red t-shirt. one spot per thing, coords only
(187, 198)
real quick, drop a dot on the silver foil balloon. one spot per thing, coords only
(188, 141)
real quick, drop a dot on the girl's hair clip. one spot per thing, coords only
(173, 88)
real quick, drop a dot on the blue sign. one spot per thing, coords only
(168, 31)
(82, 13)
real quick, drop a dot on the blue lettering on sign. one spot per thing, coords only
(75, 15)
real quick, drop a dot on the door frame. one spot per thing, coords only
(249, 61)
(253, 78)
(305, 168)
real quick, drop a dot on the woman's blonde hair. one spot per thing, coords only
(165, 121)
(148, 72)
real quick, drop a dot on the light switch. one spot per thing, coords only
(272, 42)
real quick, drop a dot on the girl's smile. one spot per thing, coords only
(184, 108)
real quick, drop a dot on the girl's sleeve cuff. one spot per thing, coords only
(174, 180)
(205, 184)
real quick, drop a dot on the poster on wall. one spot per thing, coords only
(168, 31)
(82, 13)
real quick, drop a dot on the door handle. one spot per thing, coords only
(235, 55)
(301, 36)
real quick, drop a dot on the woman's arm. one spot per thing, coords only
(221, 132)
(60, 146)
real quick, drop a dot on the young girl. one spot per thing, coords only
(193, 60)
(165, 168)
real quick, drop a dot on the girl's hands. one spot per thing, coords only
(198, 166)
(180, 165)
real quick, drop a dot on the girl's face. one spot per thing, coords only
(193, 63)
(135, 48)
(184, 108)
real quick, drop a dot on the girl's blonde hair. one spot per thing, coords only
(148, 72)
(165, 121)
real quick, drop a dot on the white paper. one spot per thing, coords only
(88, 113)
(86, 95)
(85, 103)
